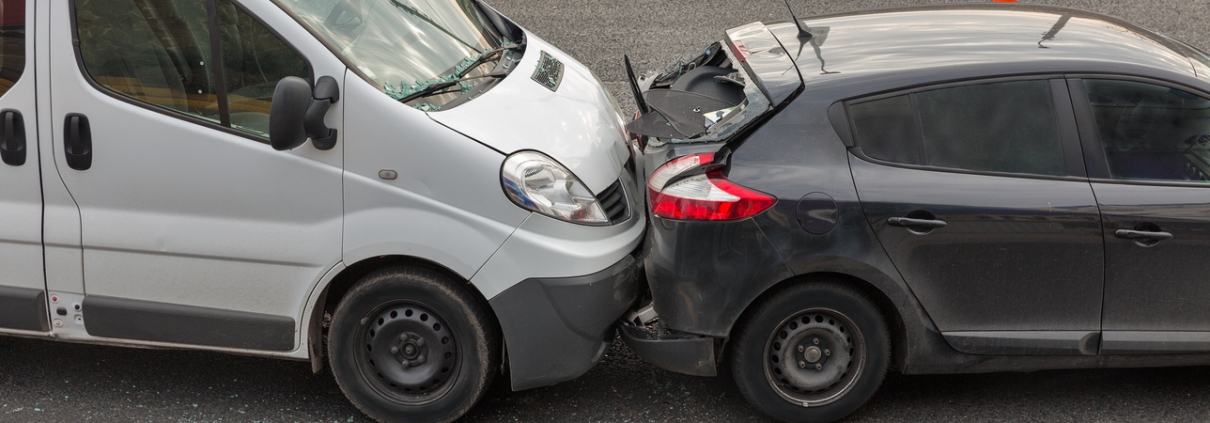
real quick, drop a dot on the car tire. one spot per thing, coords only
(409, 344)
(810, 352)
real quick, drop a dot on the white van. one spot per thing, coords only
(419, 189)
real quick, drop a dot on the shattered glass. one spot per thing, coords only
(754, 105)
(402, 46)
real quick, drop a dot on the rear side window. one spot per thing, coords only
(886, 130)
(12, 34)
(159, 52)
(999, 127)
(1152, 132)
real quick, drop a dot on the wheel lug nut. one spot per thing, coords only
(403, 337)
(394, 350)
(405, 362)
(818, 366)
(800, 348)
(419, 342)
(827, 352)
(418, 361)
(802, 364)
(816, 341)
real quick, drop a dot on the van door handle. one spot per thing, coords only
(77, 141)
(1142, 235)
(908, 222)
(12, 146)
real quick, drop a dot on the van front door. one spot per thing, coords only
(22, 285)
(194, 230)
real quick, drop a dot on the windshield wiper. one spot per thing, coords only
(459, 74)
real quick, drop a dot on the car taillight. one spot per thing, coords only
(706, 196)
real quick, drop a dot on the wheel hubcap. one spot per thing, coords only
(409, 353)
(814, 357)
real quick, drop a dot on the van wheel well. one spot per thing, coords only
(343, 282)
(885, 305)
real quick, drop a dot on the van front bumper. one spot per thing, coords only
(556, 329)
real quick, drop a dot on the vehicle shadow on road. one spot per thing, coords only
(49, 381)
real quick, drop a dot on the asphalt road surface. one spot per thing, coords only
(42, 381)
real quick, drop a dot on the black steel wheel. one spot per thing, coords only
(810, 352)
(409, 344)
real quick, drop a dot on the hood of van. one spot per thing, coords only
(576, 122)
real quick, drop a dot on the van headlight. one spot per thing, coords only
(537, 182)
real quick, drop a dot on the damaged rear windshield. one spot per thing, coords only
(400, 42)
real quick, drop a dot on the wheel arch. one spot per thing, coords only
(891, 313)
(331, 294)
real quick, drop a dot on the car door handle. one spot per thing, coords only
(77, 141)
(1142, 235)
(12, 146)
(908, 222)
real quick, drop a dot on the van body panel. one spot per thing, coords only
(577, 124)
(22, 283)
(446, 204)
(176, 212)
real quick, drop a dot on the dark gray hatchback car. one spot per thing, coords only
(970, 188)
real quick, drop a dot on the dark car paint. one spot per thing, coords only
(800, 151)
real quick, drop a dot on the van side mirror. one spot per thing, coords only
(297, 113)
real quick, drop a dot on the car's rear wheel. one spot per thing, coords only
(408, 344)
(811, 352)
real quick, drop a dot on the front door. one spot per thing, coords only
(22, 285)
(194, 230)
(977, 194)
(1151, 176)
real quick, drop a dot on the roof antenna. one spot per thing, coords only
(803, 32)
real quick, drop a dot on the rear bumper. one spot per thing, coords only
(556, 329)
(681, 353)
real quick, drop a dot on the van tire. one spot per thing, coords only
(820, 343)
(408, 344)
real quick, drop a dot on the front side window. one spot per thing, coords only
(158, 52)
(1151, 132)
(12, 34)
(998, 127)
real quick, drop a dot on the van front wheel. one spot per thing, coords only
(408, 344)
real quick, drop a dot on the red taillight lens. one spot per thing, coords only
(707, 196)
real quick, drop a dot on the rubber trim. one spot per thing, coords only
(179, 324)
(23, 309)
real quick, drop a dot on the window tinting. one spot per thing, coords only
(1152, 132)
(1000, 127)
(159, 52)
(886, 130)
(12, 34)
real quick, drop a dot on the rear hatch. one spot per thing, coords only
(714, 99)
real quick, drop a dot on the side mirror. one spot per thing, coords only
(297, 113)
(291, 99)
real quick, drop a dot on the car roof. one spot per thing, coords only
(949, 42)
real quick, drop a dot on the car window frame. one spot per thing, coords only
(1094, 149)
(1069, 134)
(75, 40)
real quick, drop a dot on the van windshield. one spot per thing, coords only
(400, 43)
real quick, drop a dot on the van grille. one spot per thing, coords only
(613, 201)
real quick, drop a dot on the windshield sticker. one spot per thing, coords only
(549, 72)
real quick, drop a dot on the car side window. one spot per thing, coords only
(12, 34)
(159, 52)
(1151, 132)
(996, 127)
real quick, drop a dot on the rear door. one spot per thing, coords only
(194, 230)
(977, 192)
(22, 285)
(1149, 160)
